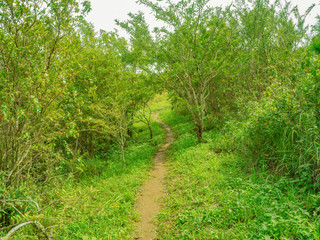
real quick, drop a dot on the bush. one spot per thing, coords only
(282, 131)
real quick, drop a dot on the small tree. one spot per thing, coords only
(192, 50)
(35, 39)
(144, 115)
(115, 122)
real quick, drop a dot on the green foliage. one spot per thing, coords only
(315, 45)
(271, 34)
(191, 57)
(35, 73)
(70, 99)
(141, 42)
(100, 202)
(282, 131)
(217, 194)
(106, 201)
(66, 96)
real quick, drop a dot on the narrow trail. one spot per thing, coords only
(148, 204)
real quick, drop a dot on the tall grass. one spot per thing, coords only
(214, 192)
(98, 204)
(282, 131)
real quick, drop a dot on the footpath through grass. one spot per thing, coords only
(101, 203)
(103, 206)
(214, 193)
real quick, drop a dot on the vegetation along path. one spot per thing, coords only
(148, 204)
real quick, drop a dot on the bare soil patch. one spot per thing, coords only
(152, 191)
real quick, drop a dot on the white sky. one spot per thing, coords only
(104, 12)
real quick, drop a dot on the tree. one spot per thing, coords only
(192, 51)
(34, 61)
(144, 115)
(113, 121)
(114, 114)
(138, 57)
(271, 34)
(97, 66)
(315, 45)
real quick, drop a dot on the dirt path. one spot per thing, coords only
(148, 204)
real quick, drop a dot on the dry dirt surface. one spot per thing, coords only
(152, 191)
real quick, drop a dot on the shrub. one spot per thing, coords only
(282, 131)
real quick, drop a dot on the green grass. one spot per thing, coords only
(100, 206)
(214, 193)
(160, 103)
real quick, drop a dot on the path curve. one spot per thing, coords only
(152, 191)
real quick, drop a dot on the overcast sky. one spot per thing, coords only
(104, 12)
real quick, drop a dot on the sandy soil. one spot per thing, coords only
(152, 191)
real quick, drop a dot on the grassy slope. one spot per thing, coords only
(214, 193)
(101, 206)
(105, 204)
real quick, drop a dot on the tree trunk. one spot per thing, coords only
(200, 133)
(123, 159)
(150, 130)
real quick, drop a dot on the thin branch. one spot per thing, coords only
(13, 230)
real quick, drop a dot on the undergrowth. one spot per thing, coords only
(98, 204)
(214, 192)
